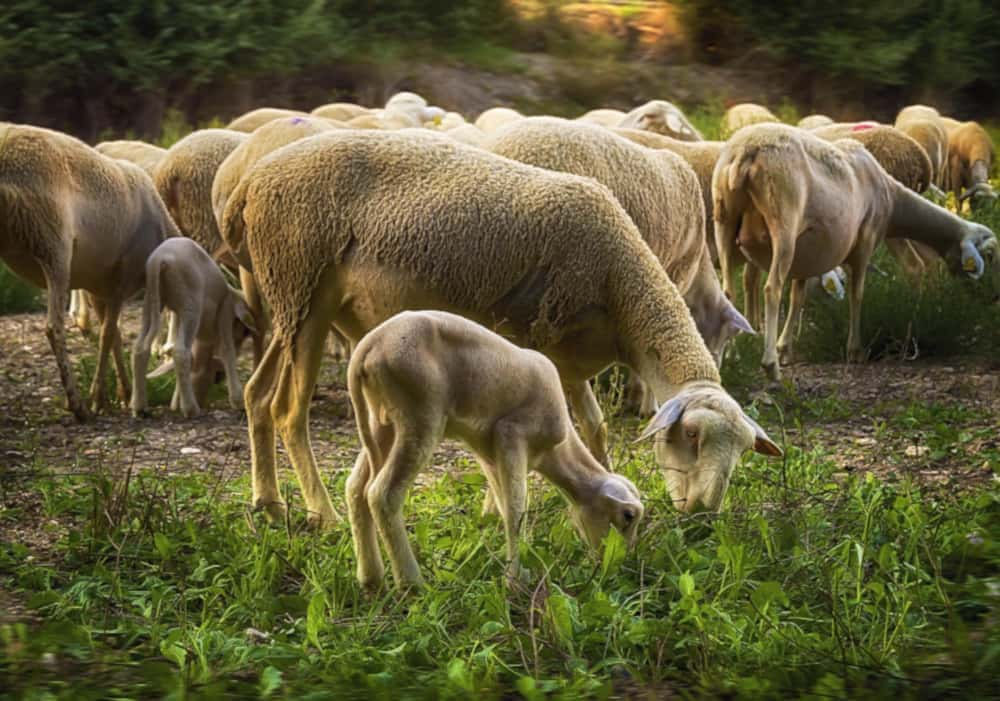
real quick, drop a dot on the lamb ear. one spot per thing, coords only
(738, 321)
(762, 443)
(162, 370)
(666, 417)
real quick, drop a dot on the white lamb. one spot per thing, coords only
(422, 376)
(212, 321)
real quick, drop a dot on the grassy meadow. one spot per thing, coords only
(826, 575)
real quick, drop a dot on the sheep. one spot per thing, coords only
(814, 121)
(259, 117)
(340, 111)
(413, 220)
(743, 114)
(452, 120)
(212, 320)
(468, 134)
(421, 376)
(184, 180)
(661, 194)
(496, 118)
(146, 156)
(241, 159)
(71, 217)
(970, 155)
(796, 206)
(603, 117)
(924, 125)
(661, 117)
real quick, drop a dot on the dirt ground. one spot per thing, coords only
(849, 402)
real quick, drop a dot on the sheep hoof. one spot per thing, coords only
(322, 521)
(80, 411)
(139, 414)
(274, 511)
(856, 355)
(772, 370)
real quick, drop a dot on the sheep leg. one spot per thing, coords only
(55, 331)
(855, 353)
(258, 395)
(491, 502)
(121, 385)
(412, 447)
(751, 294)
(151, 319)
(640, 398)
(781, 263)
(512, 476)
(187, 327)
(796, 304)
(593, 427)
(371, 569)
(256, 305)
(107, 313)
(79, 311)
(227, 351)
(290, 410)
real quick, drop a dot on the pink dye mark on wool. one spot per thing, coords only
(864, 126)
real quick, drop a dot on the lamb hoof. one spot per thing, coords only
(322, 521)
(410, 587)
(274, 511)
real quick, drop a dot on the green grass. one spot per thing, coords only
(16, 295)
(808, 583)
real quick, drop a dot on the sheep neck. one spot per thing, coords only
(915, 218)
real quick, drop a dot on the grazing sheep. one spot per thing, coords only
(814, 121)
(212, 321)
(970, 155)
(797, 206)
(340, 111)
(146, 156)
(70, 218)
(184, 181)
(900, 155)
(468, 134)
(603, 117)
(422, 376)
(496, 118)
(661, 117)
(744, 114)
(259, 117)
(241, 159)
(414, 220)
(923, 124)
(659, 191)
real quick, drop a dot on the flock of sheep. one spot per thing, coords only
(593, 241)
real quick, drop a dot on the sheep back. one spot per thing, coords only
(898, 154)
(146, 156)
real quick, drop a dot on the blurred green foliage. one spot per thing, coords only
(944, 44)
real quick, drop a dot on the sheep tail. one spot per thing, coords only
(740, 167)
(152, 305)
(232, 227)
(356, 390)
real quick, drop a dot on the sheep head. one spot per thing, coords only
(701, 433)
(616, 502)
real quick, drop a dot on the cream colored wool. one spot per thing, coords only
(468, 134)
(71, 218)
(657, 188)
(268, 138)
(925, 126)
(259, 117)
(341, 111)
(744, 114)
(146, 156)
(814, 121)
(900, 156)
(184, 181)
(970, 157)
(550, 229)
(496, 118)
(603, 117)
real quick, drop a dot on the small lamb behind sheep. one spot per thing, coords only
(212, 321)
(423, 376)
(745, 114)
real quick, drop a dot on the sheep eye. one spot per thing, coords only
(628, 516)
(691, 433)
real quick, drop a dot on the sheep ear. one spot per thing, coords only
(666, 417)
(738, 321)
(244, 314)
(762, 443)
(162, 370)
